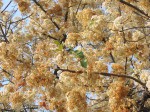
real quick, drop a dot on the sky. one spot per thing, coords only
(5, 3)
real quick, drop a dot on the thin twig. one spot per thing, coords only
(78, 6)
(38, 4)
(6, 6)
(4, 35)
(55, 24)
(112, 57)
(21, 19)
(131, 60)
(125, 66)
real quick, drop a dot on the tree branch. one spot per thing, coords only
(78, 7)
(107, 74)
(50, 37)
(39, 5)
(6, 71)
(4, 35)
(112, 57)
(134, 7)
(56, 25)
(21, 19)
(6, 6)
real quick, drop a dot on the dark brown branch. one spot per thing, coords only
(21, 19)
(27, 107)
(55, 72)
(135, 28)
(7, 72)
(12, 15)
(141, 27)
(135, 40)
(39, 5)
(107, 74)
(7, 110)
(66, 15)
(101, 100)
(84, 6)
(125, 67)
(46, 12)
(4, 35)
(134, 7)
(78, 6)
(64, 35)
(55, 23)
(123, 76)
(123, 35)
(6, 6)
(112, 57)
(7, 29)
(141, 103)
(64, 38)
(131, 60)
(24, 108)
(50, 37)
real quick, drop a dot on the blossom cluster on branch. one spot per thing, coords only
(75, 55)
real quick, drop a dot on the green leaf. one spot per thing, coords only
(91, 22)
(83, 62)
(57, 42)
(60, 46)
(79, 54)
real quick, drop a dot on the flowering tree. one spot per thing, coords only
(75, 56)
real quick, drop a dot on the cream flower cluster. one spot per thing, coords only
(144, 75)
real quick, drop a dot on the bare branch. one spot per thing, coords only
(21, 19)
(6, 6)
